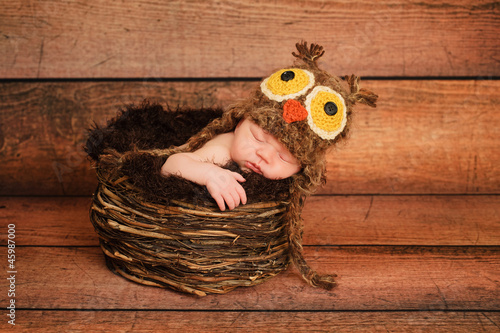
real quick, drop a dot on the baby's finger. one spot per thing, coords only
(236, 197)
(238, 177)
(230, 202)
(220, 202)
(242, 194)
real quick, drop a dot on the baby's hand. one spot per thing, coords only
(224, 186)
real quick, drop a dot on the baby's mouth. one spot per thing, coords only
(254, 167)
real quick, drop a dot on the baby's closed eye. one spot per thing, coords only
(283, 156)
(258, 137)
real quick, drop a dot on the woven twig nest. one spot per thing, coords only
(190, 248)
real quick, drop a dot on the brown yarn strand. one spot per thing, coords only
(296, 250)
(309, 55)
(360, 95)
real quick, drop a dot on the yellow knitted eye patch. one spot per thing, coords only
(287, 83)
(327, 112)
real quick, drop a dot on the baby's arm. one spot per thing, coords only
(222, 184)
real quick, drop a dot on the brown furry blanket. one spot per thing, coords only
(139, 129)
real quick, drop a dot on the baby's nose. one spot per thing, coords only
(265, 152)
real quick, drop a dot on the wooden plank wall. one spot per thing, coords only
(409, 218)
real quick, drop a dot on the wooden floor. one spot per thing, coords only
(409, 219)
(404, 263)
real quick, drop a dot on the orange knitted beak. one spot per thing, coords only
(293, 111)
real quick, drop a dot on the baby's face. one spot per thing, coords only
(253, 149)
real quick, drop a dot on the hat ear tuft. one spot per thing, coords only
(360, 95)
(309, 55)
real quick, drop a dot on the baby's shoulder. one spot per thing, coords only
(217, 149)
(223, 140)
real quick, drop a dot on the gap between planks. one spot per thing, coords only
(244, 321)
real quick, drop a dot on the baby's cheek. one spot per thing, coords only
(289, 170)
(246, 146)
(275, 172)
(240, 153)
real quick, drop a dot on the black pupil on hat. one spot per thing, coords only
(330, 109)
(287, 76)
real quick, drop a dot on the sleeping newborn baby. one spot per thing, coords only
(249, 146)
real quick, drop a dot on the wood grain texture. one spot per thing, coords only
(435, 137)
(370, 278)
(48, 221)
(328, 220)
(408, 219)
(206, 322)
(402, 220)
(96, 38)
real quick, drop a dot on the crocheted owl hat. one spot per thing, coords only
(305, 108)
(308, 110)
